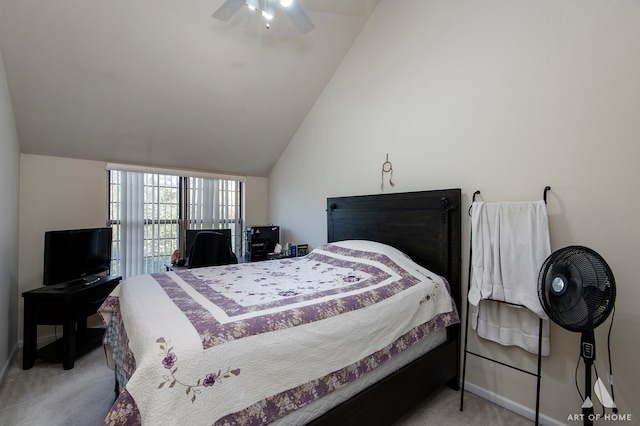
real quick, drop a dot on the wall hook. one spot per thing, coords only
(546, 189)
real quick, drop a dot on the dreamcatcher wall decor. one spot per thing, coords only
(387, 168)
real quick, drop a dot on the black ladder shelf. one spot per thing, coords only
(536, 374)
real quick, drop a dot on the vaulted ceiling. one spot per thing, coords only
(161, 82)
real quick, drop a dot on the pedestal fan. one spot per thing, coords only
(577, 291)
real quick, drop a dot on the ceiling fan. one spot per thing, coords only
(291, 7)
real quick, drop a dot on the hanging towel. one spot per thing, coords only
(510, 326)
(509, 245)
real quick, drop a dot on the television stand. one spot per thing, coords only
(83, 281)
(69, 306)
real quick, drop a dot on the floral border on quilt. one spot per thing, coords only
(213, 333)
(124, 412)
(277, 406)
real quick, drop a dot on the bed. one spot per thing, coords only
(356, 332)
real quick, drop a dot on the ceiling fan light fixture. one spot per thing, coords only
(293, 10)
(252, 4)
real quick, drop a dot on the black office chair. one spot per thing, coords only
(211, 249)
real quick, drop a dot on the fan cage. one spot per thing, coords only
(588, 295)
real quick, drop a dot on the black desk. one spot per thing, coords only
(69, 306)
(175, 268)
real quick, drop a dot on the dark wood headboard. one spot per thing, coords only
(425, 225)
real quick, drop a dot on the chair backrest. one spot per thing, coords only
(211, 249)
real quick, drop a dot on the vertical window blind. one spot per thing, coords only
(150, 209)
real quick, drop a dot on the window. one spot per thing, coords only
(149, 213)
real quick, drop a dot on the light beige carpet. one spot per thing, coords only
(49, 395)
(443, 408)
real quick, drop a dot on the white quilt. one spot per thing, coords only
(249, 343)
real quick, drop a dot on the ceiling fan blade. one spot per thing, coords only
(228, 9)
(299, 17)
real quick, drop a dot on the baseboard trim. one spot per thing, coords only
(510, 405)
(7, 365)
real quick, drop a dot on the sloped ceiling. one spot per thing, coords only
(161, 82)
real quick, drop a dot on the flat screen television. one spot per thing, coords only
(191, 236)
(75, 255)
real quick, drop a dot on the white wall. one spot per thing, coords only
(9, 176)
(64, 193)
(256, 210)
(504, 97)
(55, 193)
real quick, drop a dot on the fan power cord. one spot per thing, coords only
(613, 315)
(576, 378)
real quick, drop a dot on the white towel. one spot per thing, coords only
(509, 245)
(510, 326)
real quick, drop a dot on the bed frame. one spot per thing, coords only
(426, 226)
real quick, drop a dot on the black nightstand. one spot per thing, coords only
(68, 305)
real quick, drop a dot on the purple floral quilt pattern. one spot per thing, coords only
(232, 302)
(344, 285)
